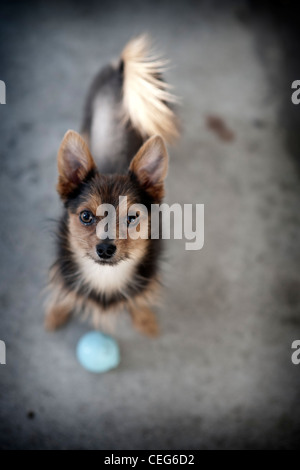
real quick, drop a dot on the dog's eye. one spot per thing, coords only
(132, 220)
(86, 217)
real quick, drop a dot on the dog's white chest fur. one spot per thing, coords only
(107, 279)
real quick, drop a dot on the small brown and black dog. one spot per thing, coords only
(120, 152)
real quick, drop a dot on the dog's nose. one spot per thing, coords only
(105, 250)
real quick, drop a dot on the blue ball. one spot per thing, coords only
(97, 352)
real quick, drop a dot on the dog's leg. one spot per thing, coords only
(57, 316)
(59, 307)
(144, 320)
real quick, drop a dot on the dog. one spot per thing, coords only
(128, 116)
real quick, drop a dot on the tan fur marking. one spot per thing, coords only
(57, 317)
(144, 320)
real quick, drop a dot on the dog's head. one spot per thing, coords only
(95, 232)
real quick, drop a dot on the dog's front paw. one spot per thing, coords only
(56, 317)
(144, 320)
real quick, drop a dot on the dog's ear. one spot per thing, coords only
(150, 166)
(74, 163)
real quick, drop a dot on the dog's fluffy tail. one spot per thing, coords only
(146, 97)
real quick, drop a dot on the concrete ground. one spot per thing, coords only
(220, 376)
